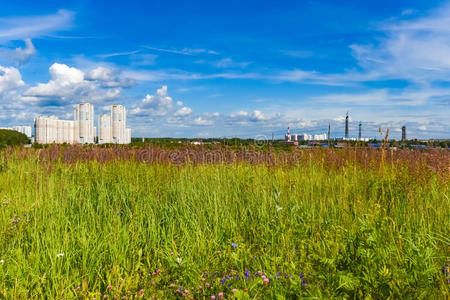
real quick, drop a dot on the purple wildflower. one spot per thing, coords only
(222, 281)
(301, 275)
(303, 282)
(234, 245)
(246, 273)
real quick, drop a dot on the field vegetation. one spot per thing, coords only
(121, 222)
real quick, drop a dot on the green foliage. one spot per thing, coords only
(12, 138)
(312, 231)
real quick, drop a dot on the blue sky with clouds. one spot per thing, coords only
(231, 68)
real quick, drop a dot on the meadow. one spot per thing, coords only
(129, 223)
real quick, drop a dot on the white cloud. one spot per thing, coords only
(183, 111)
(202, 121)
(160, 104)
(19, 28)
(253, 116)
(70, 85)
(19, 55)
(184, 51)
(10, 79)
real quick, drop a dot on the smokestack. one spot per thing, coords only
(329, 132)
(403, 133)
(359, 133)
(346, 126)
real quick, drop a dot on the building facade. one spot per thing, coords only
(84, 116)
(49, 130)
(113, 127)
(23, 129)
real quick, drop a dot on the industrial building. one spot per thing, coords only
(292, 139)
(112, 128)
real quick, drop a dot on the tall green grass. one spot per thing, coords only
(130, 229)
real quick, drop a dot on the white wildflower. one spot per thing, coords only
(278, 207)
(1, 261)
(179, 260)
(59, 254)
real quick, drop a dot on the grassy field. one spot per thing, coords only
(82, 223)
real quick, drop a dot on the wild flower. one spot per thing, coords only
(266, 281)
(203, 279)
(141, 292)
(219, 252)
(207, 285)
(301, 275)
(1, 261)
(179, 259)
(200, 287)
(213, 297)
(234, 245)
(25, 214)
(78, 288)
(247, 273)
(171, 253)
(60, 255)
(153, 283)
(222, 281)
(220, 295)
(278, 208)
(128, 292)
(234, 291)
(109, 287)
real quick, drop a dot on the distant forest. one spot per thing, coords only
(12, 138)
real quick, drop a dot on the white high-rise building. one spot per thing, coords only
(52, 130)
(84, 115)
(112, 127)
(23, 129)
(120, 133)
(104, 129)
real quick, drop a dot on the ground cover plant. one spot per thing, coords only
(119, 222)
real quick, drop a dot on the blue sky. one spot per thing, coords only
(234, 68)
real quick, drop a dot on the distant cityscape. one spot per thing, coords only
(112, 128)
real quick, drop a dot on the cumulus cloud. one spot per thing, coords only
(69, 85)
(253, 116)
(160, 104)
(203, 122)
(183, 111)
(10, 79)
(109, 77)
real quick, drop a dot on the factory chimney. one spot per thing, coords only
(359, 133)
(346, 126)
(403, 133)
